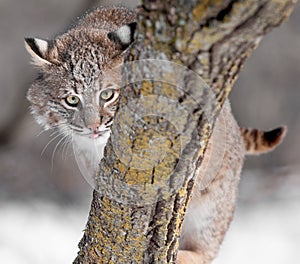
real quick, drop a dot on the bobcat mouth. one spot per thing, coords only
(97, 134)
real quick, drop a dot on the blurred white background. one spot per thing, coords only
(44, 206)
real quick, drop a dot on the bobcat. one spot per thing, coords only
(76, 93)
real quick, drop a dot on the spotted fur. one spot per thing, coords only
(77, 67)
(83, 62)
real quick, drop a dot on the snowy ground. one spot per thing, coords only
(39, 233)
(46, 233)
(264, 234)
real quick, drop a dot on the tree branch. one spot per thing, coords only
(141, 197)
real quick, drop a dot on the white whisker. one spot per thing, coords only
(56, 133)
(63, 152)
(65, 145)
(53, 154)
(50, 141)
(46, 130)
(41, 132)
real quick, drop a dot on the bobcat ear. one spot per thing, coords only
(123, 35)
(38, 49)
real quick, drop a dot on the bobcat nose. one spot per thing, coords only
(94, 127)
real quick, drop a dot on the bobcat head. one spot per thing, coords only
(79, 78)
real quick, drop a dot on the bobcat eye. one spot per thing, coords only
(107, 94)
(72, 100)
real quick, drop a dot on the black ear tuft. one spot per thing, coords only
(124, 35)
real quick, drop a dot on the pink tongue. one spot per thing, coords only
(95, 135)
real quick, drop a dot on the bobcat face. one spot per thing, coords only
(80, 78)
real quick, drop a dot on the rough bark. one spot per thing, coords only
(139, 203)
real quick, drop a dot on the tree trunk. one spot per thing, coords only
(165, 119)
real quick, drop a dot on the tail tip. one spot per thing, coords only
(275, 136)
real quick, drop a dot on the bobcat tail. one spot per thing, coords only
(258, 141)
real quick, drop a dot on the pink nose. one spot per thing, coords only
(94, 127)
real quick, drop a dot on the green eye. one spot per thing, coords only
(72, 100)
(107, 95)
